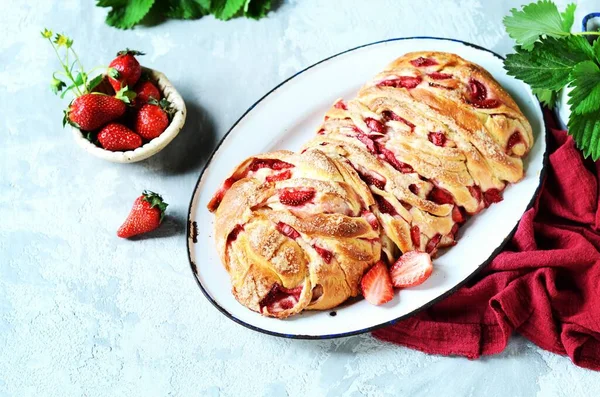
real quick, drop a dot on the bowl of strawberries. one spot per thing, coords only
(125, 114)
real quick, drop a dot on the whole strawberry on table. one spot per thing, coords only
(146, 215)
(119, 110)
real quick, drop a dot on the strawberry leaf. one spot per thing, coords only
(188, 9)
(585, 130)
(124, 14)
(57, 85)
(93, 83)
(546, 97)
(257, 9)
(537, 20)
(548, 65)
(585, 96)
(155, 200)
(114, 73)
(226, 9)
(126, 95)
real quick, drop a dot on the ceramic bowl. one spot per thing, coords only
(154, 146)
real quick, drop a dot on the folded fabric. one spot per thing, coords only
(545, 284)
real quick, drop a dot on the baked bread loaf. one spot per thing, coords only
(427, 142)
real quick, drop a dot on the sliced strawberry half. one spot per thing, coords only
(376, 285)
(412, 268)
(295, 197)
(287, 230)
(479, 96)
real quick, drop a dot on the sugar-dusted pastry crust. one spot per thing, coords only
(427, 142)
(436, 138)
(293, 232)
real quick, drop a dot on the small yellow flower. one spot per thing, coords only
(46, 33)
(62, 40)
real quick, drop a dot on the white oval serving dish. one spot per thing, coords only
(286, 118)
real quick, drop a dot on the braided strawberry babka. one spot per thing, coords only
(387, 181)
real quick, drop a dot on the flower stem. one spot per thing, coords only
(586, 33)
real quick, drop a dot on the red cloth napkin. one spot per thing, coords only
(545, 284)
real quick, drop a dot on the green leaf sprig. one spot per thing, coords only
(125, 14)
(549, 57)
(72, 69)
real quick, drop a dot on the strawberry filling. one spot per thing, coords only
(394, 162)
(279, 298)
(371, 218)
(213, 204)
(433, 243)
(514, 139)
(234, 233)
(491, 196)
(415, 236)
(321, 131)
(437, 138)
(295, 197)
(440, 196)
(402, 82)
(287, 230)
(475, 192)
(273, 164)
(389, 115)
(323, 253)
(368, 142)
(457, 214)
(413, 188)
(439, 76)
(423, 62)
(384, 206)
(372, 178)
(374, 125)
(282, 176)
(436, 85)
(340, 105)
(454, 230)
(479, 96)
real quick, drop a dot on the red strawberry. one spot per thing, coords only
(295, 197)
(146, 215)
(415, 236)
(144, 91)
(128, 69)
(376, 285)
(412, 268)
(440, 196)
(422, 62)
(91, 111)
(374, 125)
(437, 138)
(117, 137)
(151, 121)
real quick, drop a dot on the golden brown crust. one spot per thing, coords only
(427, 141)
(330, 246)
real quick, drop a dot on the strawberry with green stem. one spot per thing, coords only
(89, 110)
(153, 118)
(146, 215)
